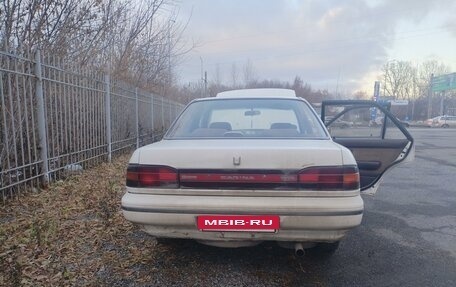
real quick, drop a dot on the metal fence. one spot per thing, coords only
(56, 119)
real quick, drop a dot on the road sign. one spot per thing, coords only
(399, 102)
(444, 82)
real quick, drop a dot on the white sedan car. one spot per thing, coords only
(259, 165)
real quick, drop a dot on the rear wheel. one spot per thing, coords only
(445, 126)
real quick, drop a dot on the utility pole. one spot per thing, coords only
(202, 79)
(337, 84)
(442, 100)
(205, 83)
(384, 86)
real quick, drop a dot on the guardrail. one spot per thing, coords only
(55, 120)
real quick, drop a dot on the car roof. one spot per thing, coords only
(258, 93)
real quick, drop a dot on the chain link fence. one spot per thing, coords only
(56, 119)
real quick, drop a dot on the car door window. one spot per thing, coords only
(353, 121)
(377, 140)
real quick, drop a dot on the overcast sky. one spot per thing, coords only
(330, 44)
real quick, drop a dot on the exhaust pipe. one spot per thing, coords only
(299, 250)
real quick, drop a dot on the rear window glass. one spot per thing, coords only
(247, 118)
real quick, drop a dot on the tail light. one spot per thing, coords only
(329, 178)
(151, 176)
(313, 178)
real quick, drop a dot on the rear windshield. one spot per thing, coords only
(247, 118)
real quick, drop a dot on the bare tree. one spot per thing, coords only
(398, 79)
(404, 81)
(215, 85)
(217, 75)
(234, 75)
(141, 40)
(57, 26)
(249, 74)
(425, 71)
(360, 95)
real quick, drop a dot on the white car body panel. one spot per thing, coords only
(306, 214)
(311, 216)
(219, 153)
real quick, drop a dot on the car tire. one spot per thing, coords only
(445, 126)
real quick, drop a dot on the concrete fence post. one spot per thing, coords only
(41, 118)
(137, 117)
(108, 114)
(163, 114)
(152, 116)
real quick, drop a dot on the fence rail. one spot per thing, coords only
(56, 119)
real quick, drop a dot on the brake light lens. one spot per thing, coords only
(313, 178)
(151, 176)
(329, 178)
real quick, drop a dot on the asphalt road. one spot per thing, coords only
(407, 238)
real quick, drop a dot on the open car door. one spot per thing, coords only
(377, 139)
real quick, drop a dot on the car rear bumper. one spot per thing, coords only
(313, 219)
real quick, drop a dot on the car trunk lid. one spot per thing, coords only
(245, 154)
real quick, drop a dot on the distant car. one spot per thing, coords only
(379, 121)
(430, 122)
(255, 165)
(338, 123)
(405, 123)
(442, 122)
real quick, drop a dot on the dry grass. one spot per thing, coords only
(74, 234)
(71, 234)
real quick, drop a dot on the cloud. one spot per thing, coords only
(324, 42)
(329, 16)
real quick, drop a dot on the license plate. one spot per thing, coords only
(243, 223)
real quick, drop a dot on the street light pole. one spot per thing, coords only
(205, 83)
(202, 77)
(429, 112)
